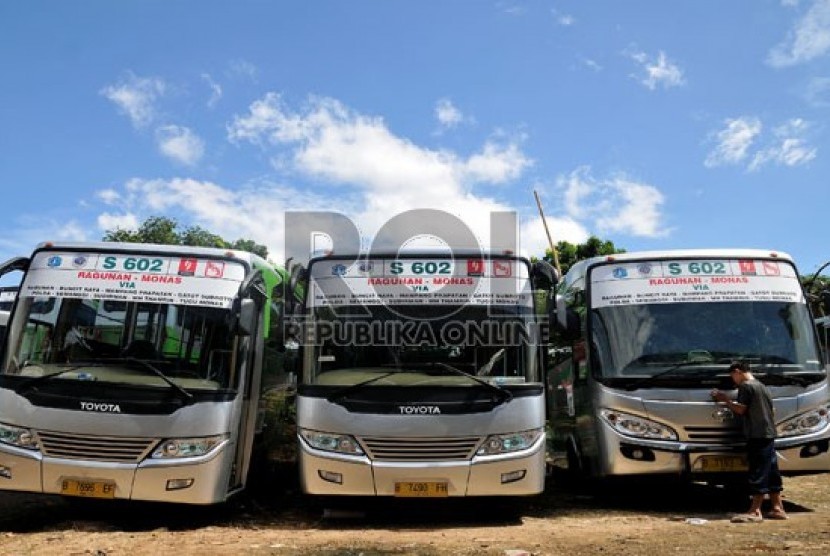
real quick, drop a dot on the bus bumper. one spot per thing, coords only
(631, 456)
(520, 474)
(197, 481)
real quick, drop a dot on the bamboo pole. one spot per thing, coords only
(547, 232)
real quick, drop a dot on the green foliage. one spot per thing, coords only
(570, 253)
(817, 290)
(164, 230)
(251, 247)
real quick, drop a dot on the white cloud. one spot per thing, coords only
(378, 175)
(332, 143)
(180, 144)
(592, 64)
(788, 145)
(215, 90)
(511, 7)
(245, 69)
(565, 20)
(658, 71)
(808, 39)
(496, 164)
(71, 231)
(256, 212)
(127, 221)
(447, 114)
(136, 97)
(733, 141)
(108, 196)
(615, 204)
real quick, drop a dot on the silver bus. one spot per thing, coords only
(135, 371)
(644, 338)
(422, 376)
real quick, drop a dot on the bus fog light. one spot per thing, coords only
(178, 484)
(331, 476)
(513, 476)
(814, 449)
(638, 453)
(5, 472)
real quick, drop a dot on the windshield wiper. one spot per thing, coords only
(24, 387)
(782, 378)
(503, 393)
(343, 392)
(672, 370)
(187, 397)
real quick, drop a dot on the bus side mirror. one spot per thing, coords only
(15, 263)
(567, 321)
(543, 276)
(247, 317)
(297, 276)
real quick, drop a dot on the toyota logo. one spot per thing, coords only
(722, 414)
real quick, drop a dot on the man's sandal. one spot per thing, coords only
(776, 515)
(747, 518)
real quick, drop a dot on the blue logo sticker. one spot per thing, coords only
(644, 269)
(79, 261)
(54, 261)
(620, 272)
(338, 270)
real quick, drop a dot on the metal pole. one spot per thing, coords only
(547, 232)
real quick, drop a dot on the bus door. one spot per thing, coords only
(248, 362)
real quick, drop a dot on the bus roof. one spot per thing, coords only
(411, 252)
(149, 247)
(582, 266)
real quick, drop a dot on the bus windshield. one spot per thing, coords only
(666, 319)
(420, 320)
(108, 341)
(489, 343)
(647, 339)
(115, 318)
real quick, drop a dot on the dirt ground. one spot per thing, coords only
(639, 519)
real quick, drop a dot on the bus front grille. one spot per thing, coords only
(714, 434)
(421, 449)
(97, 448)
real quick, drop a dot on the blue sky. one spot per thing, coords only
(653, 124)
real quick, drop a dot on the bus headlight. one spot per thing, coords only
(174, 448)
(632, 425)
(507, 443)
(806, 423)
(332, 442)
(17, 436)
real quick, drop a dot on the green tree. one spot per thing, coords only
(570, 253)
(817, 290)
(164, 230)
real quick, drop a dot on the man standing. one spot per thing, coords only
(754, 405)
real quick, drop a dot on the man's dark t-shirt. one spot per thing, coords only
(758, 421)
